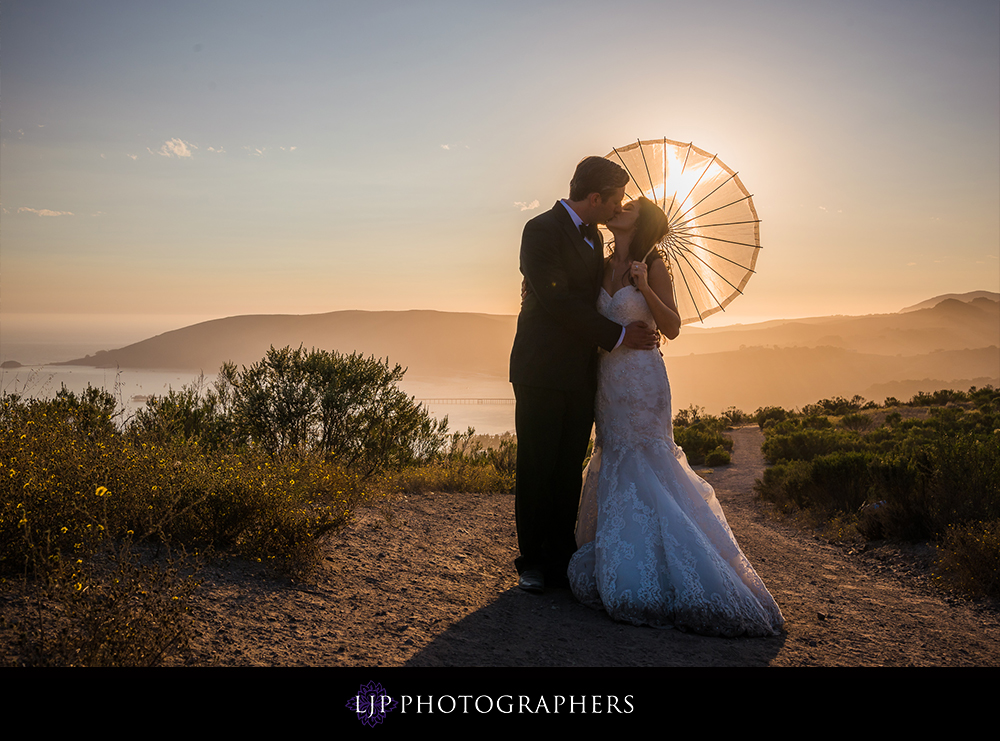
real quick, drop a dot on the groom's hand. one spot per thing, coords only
(639, 336)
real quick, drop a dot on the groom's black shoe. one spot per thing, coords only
(532, 580)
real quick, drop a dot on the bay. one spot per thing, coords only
(483, 402)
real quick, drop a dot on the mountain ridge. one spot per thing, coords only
(790, 362)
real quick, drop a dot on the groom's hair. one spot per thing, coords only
(596, 175)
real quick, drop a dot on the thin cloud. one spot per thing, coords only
(43, 211)
(132, 157)
(174, 148)
(527, 206)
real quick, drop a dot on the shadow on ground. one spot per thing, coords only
(553, 629)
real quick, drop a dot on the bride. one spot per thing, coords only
(654, 546)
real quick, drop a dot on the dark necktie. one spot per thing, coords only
(589, 232)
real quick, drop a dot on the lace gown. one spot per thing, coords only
(654, 546)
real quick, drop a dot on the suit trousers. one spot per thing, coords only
(553, 430)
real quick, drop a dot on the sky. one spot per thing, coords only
(163, 163)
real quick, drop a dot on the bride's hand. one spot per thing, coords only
(639, 276)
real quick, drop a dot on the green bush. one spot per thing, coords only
(909, 479)
(689, 416)
(838, 406)
(969, 557)
(845, 479)
(115, 609)
(856, 422)
(806, 444)
(701, 438)
(769, 415)
(467, 467)
(718, 457)
(191, 414)
(736, 417)
(788, 484)
(816, 422)
(71, 490)
(346, 407)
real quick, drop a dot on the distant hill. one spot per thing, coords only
(949, 325)
(789, 363)
(965, 297)
(430, 343)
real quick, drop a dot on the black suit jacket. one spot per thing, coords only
(559, 327)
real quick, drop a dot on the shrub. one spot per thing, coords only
(688, 416)
(347, 407)
(718, 457)
(845, 479)
(969, 557)
(788, 484)
(765, 415)
(71, 492)
(856, 422)
(838, 406)
(113, 610)
(817, 423)
(699, 439)
(467, 467)
(911, 479)
(736, 417)
(806, 444)
(828, 485)
(191, 414)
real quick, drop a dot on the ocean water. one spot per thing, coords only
(39, 341)
(460, 399)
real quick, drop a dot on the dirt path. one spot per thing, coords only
(434, 585)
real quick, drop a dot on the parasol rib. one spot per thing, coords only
(707, 195)
(702, 261)
(698, 276)
(719, 208)
(684, 241)
(646, 165)
(694, 301)
(731, 223)
(673, 199)
(628, 171)
(664, 206)
(696, 182)
(729, 241)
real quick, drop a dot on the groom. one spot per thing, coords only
(553, 365)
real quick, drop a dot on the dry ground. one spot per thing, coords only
(432, 584)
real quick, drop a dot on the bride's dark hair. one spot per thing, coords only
(650, 228)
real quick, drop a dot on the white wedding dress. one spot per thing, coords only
(654, 546)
